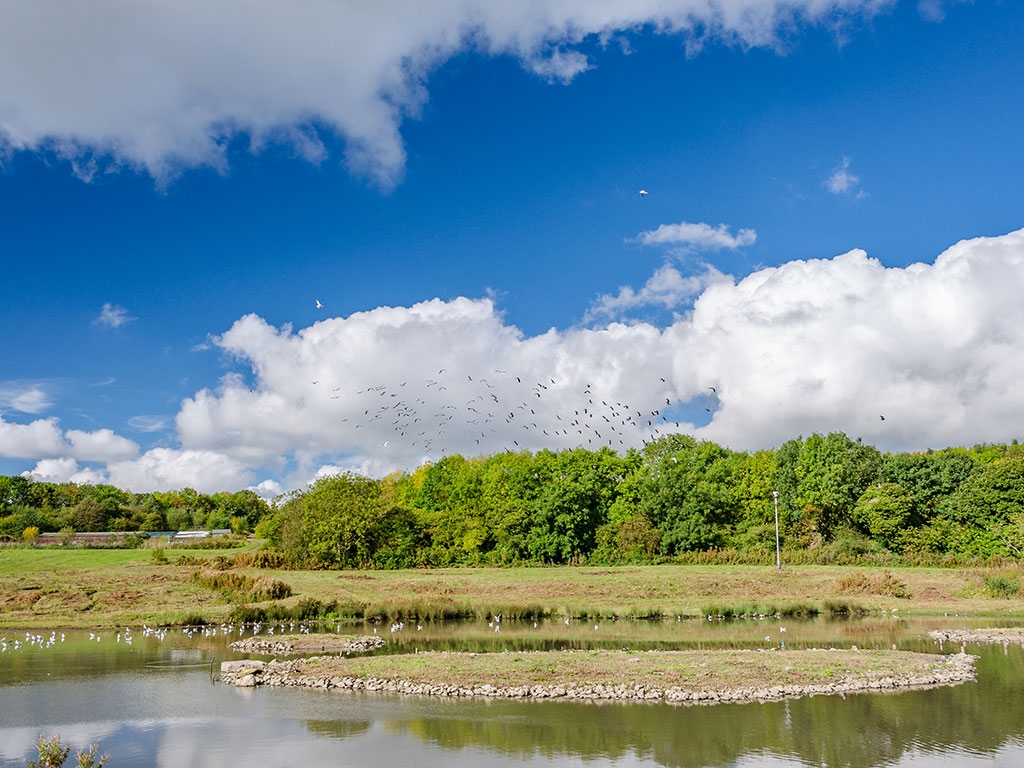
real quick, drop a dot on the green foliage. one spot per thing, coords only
(1001, 585)
(884, 510)
(269, 528)
(690, 493)
(679, 499)
(832, 472)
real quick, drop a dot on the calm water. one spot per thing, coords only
(155, 702)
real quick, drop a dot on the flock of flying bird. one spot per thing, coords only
(496, 413)
(476, 413)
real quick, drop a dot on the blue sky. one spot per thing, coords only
(831, 230)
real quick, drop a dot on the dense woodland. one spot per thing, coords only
(838, 500)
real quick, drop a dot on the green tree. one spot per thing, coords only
(332, 523)
(691, 493)
(89, 515)
(572, 503)
(832, 472)
(757, 481)
(985, 508)
(884, 510)
(929, 477)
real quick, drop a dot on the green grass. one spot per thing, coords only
(108, 587)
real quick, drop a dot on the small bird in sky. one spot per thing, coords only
(318, 304)
(880, 416)
(643, 193)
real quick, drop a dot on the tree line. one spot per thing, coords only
(53, 507)
(837, 499)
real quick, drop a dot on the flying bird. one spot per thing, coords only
(643, 193)
(318, 304)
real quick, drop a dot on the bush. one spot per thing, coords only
(240, 586)
(53, 753)
(1001, 585)
(859, 583)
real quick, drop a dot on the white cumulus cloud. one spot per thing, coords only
(38, 439)
(44, 439)
(667, 289)
(101, 445)
(808, 346)
(168, 469)
(835, 343)
(811, 345)
(688, 236)
(165, 86)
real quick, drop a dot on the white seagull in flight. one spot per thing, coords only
(643, 193)
(318, 304)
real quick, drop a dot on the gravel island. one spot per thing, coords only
(672, 676)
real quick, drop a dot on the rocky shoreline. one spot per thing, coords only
(322, 673)
(1000, 635)
(308, 643)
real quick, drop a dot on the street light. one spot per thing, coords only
(778, 554)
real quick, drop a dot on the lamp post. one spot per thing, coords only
(778, 554)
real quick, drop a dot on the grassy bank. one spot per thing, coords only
(110, 588)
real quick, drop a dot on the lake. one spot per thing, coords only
(154, 701)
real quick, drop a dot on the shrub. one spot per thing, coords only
(53, 753)
(240, 586)
(1001, 585)
(859, 583)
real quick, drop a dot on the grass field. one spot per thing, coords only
(687, 670)
(97, 588)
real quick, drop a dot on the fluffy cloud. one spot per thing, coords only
(841, 180)
(65, 470)
(101, 445)
(38, 439)
(667, 289)
(697, 237)
(166, 469)
(395, 386)
(27, 398)
(113, 316)
(808, 346)
(168, 85)
(44, 439)
(834, 344)
(815, 345)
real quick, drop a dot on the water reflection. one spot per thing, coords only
(155, 703)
